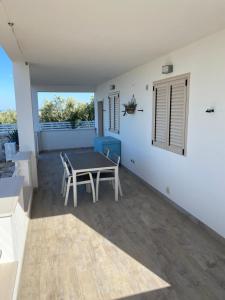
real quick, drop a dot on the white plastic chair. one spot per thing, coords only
(106, 152)
(108, 175)
(81, 178)
(62, 156)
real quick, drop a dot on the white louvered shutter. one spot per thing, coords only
(111, 113)
(177, 115)
(116, 113)
(160, 115)
(170, 113)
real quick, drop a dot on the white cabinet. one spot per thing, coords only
(12, 218)
(15, 204)
(10, 150)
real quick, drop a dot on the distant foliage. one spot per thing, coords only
(69, 109)
(57, 110)
(8, 117)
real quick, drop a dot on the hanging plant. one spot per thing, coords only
(130, 107)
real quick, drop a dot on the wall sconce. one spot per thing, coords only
(167, 69)
(210, 110)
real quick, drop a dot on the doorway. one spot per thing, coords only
(100, 118)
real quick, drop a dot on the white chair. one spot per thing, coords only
(106, 152)
(62, 156)
(81, 178)
(108, 175)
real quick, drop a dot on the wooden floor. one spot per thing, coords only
(139, 248)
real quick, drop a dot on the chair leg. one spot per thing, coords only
(120, 188)
(97, 185)
(113, 184)
(74, 189)
(67, 191)
(64, 188)
(116, 183)
(93, 189)
(63, 183)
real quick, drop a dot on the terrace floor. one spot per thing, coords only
(141, 247)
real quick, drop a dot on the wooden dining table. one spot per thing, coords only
(91, 162)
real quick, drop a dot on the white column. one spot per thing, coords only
(24, 109)
(34, 98)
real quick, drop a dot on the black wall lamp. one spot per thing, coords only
(210, 110)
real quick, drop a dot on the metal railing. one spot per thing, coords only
(6, 128)
(66, 125)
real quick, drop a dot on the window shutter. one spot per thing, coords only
(170, 113)
(116, 113)
(160, 115)
(177, 115)
(111, 113)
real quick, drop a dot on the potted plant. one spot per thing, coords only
(10, 146)
(130, 107)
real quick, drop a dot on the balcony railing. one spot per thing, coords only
(66, 125)
(6, 128)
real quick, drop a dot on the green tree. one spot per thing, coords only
(8, 117)
(70, 112)
(69, 109)
(91, 110)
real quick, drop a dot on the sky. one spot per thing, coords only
(7, 96)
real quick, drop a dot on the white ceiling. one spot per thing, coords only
(85, 42)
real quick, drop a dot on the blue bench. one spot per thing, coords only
(101, 144)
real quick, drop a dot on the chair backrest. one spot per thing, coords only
(66, 163)
(67, 169)
(106, 152)
(62, 155)
(115, 158)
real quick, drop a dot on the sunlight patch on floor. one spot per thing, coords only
(68, 259)
(103, 267)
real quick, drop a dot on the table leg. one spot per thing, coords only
(88, 188)
(75, 189)
(116, 183)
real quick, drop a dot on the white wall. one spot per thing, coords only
(66, 139)
(196, 181)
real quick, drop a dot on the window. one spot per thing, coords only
(170, 113)
(114, 112)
